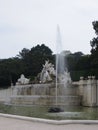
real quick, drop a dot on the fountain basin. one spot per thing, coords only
(44, 94)
(45, 100)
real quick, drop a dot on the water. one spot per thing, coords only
(62, 75)
(60, 62)
(77, 113)
(59, 58)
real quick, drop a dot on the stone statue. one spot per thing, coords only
(47, 71)
(22, 80)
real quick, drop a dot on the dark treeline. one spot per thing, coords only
(29, 62)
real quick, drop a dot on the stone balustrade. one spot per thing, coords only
(88, 90)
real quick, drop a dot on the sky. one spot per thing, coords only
(26, 23)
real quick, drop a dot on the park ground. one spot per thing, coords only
(16, 124)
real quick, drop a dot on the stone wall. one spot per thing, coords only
(45, 94)
(88, 90)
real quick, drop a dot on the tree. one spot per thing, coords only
(73, 59)
(23, 53)
(94, 45)
(95, 26)
(10, 70)
(34, 58)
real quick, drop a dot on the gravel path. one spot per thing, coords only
(15, 124)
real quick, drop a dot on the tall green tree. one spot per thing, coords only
(10, 69)
(94, 45)
(34, 59)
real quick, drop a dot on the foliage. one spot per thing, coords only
(10, 69)
(94, 45)
(95, 26)
(28, 62)
(72, 60)
(35, 58)
(78, 65)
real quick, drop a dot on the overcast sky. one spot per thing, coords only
(26, 23)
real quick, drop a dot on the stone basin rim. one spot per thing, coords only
(54, 122)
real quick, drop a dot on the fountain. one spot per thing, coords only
(54, 87)
(55, 92)
(43, 93)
